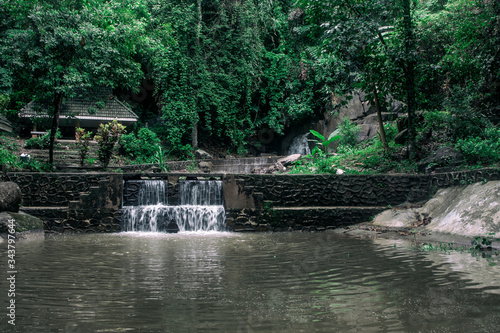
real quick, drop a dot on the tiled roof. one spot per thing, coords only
(103, 105)
(5, 125)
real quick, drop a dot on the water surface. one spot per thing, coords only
(228, 282)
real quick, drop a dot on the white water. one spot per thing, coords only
(299, 145)
(200, 208)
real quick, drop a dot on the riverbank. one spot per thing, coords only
(467, 216)
(417, 238)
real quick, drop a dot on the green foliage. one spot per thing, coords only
(466, 120)
(107, 136)
(9, 155)
(62, 49)
(348, 133)
(322, 142)
(481, 150)
(160, 160)
(370, 158)
(223, 70)
(42, 142)
(9, 152)
(461, 42)
(481, 243)
(83, 139)
(35, 165)
(142, 147)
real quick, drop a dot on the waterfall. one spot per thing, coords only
(299, 145)
(146, 206)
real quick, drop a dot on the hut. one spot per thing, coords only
(83, 111)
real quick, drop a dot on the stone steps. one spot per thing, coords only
(327, 216)
(52, 217)
(329, 208)
(47, 212)
(65, 153)
(313, 218)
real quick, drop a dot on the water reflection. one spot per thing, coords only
(226, 282)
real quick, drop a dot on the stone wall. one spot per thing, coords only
(72, 202)
(92, 202)
(284, 202)
(54, 189)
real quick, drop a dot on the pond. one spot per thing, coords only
(231, 282)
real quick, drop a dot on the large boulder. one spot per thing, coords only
(286, 161)
(280, 165)
(206, 167)
(10, 197)
(202, 155)
(443, 157)
(22, 222)
(467, 211)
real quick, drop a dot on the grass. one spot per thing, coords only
(368, 158)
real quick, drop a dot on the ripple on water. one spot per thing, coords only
(219, 281)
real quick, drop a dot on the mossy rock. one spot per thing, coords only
(22, 221)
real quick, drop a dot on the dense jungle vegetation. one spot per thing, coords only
(216, 74)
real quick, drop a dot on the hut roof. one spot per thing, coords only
(5, 125)
(102, 105)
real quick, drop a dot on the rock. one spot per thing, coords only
(356, 107)
(340, 172)
(206, 167)
(285, 161)
(279, 166)
(469, 211)
(367, 131)
(172, 228)
(299, 145)
(396, 106)
(22, 222)
(201, 154)
(10, 197)
(372, 119)
(443, 157)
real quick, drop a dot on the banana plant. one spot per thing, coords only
(322, 143)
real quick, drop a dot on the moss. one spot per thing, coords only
(23, 222)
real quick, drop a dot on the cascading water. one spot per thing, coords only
(146, 206)
(299, 145)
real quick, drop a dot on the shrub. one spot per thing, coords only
(142, 146)
(8, 152)
(41, 142)
(172, 136)
(107, 136)
(466, 120)
(348, 133)
(477, 150)
(83, 143)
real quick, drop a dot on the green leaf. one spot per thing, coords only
(318, 135)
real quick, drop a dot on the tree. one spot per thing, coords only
(409, 71)
(208, 70)
(229, 68)
(60, 49)
(363, 37)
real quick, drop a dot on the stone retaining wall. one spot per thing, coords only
(72, 202)
(270, 202)
(92, 202)
(54, 189)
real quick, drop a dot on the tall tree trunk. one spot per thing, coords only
(58, 98)
(379, 117)
(409, 71)
(194, 135)
(194, 131)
